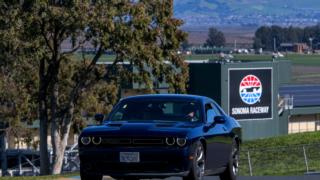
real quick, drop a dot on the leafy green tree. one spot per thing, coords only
(265, 35)
(311, 32)
(291, 35)
(215, 38)
(143, 33)
(263, 38)
(257, 44)
(277, 35)
(17, 96)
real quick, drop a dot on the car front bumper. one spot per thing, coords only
(154, 161)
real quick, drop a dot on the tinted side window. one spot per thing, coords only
(217, 111)
(208, 106)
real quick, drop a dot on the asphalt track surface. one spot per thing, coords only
(306, 177)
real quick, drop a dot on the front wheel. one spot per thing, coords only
(198, 164)
(232, 169)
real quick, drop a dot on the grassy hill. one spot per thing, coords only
(284, 155)
(297, 139)
(214, 8)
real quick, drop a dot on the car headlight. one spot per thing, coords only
(181, 141)
(170, 141)
(96, 140)
(85, 140)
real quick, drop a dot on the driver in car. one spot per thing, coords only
(190, 112)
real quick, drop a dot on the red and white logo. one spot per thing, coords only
(250, 89)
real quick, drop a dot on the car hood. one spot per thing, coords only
(154, 129)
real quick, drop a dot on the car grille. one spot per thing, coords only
(115, 141)
(132, 141)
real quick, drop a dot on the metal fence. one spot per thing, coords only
(293, 160)
(71, 161)
(27, 162)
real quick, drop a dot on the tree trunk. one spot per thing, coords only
(60, 127)
(58, 149)
(60, 140)
(3, 157)
(43, 116)
(44, 158)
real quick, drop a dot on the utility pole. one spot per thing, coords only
(311, 48)
(274, 44)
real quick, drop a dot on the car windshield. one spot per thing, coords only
(153, 110)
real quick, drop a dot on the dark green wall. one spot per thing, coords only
(285, 73)
(211, 79)
(205, 80)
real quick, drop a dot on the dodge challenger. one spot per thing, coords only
(158, 136)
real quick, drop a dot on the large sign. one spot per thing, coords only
(250, 93)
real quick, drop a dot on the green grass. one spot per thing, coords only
(281, 155)
(297, 59)
(300, 59)
(287, 140)
(55, 177)
(236, 57)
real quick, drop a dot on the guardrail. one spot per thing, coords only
(293, 160)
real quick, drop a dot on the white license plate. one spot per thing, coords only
(129, 157)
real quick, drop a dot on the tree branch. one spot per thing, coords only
(80, 44)
(79, 86)
(44, 35)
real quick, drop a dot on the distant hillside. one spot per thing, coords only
(248, 12)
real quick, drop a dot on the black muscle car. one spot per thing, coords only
(158, 136)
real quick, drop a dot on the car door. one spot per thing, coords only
(218, 141)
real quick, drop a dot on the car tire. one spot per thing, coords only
(198, 163)
(232, 169)
(86, 176)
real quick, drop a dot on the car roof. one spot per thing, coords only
(168, 96)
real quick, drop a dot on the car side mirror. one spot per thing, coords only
(219, 120)
(99, 118)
